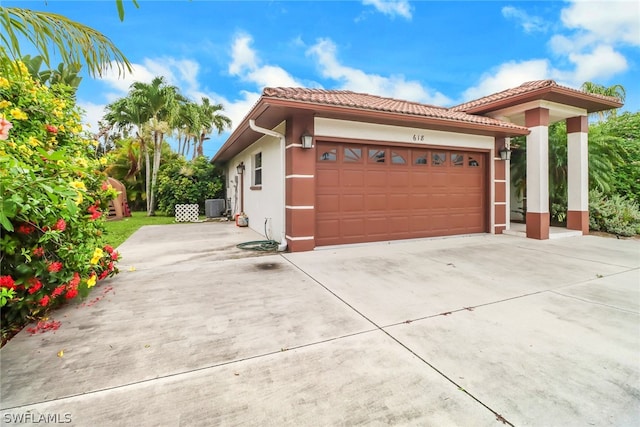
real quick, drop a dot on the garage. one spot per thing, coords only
(371, 192)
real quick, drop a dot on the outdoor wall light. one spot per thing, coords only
(307, 141)
(240, 168)
(505, 154)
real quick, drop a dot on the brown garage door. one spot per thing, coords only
(372, 193)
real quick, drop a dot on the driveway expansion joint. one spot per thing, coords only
(498, 416)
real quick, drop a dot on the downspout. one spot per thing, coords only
(252, 124)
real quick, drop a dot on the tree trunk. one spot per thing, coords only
(157, 153)
(147, 177)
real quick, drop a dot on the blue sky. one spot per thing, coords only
(441, 53)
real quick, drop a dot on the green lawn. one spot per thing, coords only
(120, 230)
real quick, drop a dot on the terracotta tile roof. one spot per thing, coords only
(524, 88)
(362, 101)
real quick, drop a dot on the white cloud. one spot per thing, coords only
(601, 63)
(511, 74)
(92, 114)
(529, 23)
(178, 72)
(608, 22)
(592, 31)
(395, 86)
(246, 65)
(391, 7)
(243, 56)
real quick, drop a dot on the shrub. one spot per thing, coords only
(613, 214)
(52, 200)
(187, 182)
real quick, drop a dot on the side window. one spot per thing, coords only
(257, 169)
(474, 161)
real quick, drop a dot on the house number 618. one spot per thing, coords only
(418, 137)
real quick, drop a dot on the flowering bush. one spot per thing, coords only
(53, 196)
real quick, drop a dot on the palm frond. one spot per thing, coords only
(49, 33)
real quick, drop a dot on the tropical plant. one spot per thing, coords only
(616, 91)
(158, 103)
(613, 214)
(64, 74)
(191, 182)
(127, 115)
(52, 198)
(210, 119)
(74, 42)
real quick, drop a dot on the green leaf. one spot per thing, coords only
(72, 207)
(6, 224)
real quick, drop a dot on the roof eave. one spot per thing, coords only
(590, 102)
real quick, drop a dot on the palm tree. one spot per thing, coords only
(616, 91)
(76, 43)
(210, 119)
(160, 103)
(127, 115)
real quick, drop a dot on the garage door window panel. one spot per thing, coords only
(420, 158)
(352, 155)
(457, 160)
(329, 154)
(376, 156)
(438, 159)
(475, 161)
(399, 157)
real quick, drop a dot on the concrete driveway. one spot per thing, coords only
(466, 331)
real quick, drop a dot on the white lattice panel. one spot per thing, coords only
(187, 213)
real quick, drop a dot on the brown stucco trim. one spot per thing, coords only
(538, 225)
(577, 124)
(578, 220)
(536, 117)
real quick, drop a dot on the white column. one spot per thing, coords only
(578, 174)
(538, 170)
(578, 171)
(537, 120)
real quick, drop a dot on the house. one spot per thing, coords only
(314, 167)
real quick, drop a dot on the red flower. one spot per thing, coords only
(38, 251)
(7, 282)
(58, 291)
(51, 129)
(26, 229)
(61, 225)
(104, 186)
(71, 293)
(44, 301)
(54, 267)
(34, 285)
(108, 249)
(76, 280)
(115, 256)
(103, 274)
(95, 215)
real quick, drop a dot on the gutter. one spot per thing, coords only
(252, 124)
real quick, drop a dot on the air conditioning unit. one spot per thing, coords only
(214, 208)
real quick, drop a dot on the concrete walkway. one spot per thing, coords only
(465, 331)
